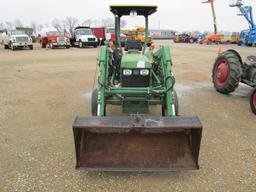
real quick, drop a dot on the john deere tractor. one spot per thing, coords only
(229, 70)
(136, 79)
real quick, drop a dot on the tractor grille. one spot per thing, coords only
(135, 80)
(22, 39)
(91, 39)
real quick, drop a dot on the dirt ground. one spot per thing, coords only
(42, 91)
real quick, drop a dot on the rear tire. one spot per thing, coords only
(94, 102)
(227, 72)
(6, 46)
(253, 101)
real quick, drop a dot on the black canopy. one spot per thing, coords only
(144, 10)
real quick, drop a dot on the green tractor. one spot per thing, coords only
(136, 78)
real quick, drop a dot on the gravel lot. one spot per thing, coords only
(42, 91)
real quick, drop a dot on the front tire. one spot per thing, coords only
(6, 46)
(175, 102)
(51, 45)
(94, 102)
(253, 101)
(227, 71)
(12, 47)
(80, 44)
(31, 47)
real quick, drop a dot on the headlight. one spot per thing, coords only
(144, 72)
(127, 72)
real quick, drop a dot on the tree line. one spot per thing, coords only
(66, 24)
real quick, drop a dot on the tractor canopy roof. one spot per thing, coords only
(144, 10)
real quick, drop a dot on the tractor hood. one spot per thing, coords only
(135, 60)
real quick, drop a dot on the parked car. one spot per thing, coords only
(17, 39)
(83, 36)
(55, 39)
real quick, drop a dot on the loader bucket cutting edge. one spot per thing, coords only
(137, 143)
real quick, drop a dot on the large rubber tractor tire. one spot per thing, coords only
(176, 105)
(94, 103)
(227, 72)
(253, 101)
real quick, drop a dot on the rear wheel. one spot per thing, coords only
(227, 71)
(94, 102)
(6, 46)
(253, 101)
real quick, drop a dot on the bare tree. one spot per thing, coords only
(9, 25)
(123, 23)
(40, 27)
(70, 23)
(46, 24)
(56, 23)
(87, 22)
(34, 26)
(108, 22)
(18, 23)
(2, 26)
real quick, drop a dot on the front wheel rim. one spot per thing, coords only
(221, 72)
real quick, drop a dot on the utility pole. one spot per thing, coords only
(213, 14)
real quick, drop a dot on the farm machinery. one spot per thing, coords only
(229, 70)
(135, 80)
(247, 37)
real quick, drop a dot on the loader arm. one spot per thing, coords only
(103, 73)
(164, 58)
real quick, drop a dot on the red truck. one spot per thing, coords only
(108, 34)
(103, 34)
(55, 39)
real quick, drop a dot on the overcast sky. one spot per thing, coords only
(172, 14)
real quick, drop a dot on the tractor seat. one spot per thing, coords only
(133, 45)
(251, 60)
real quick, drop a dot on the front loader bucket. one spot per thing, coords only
(137, 143)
